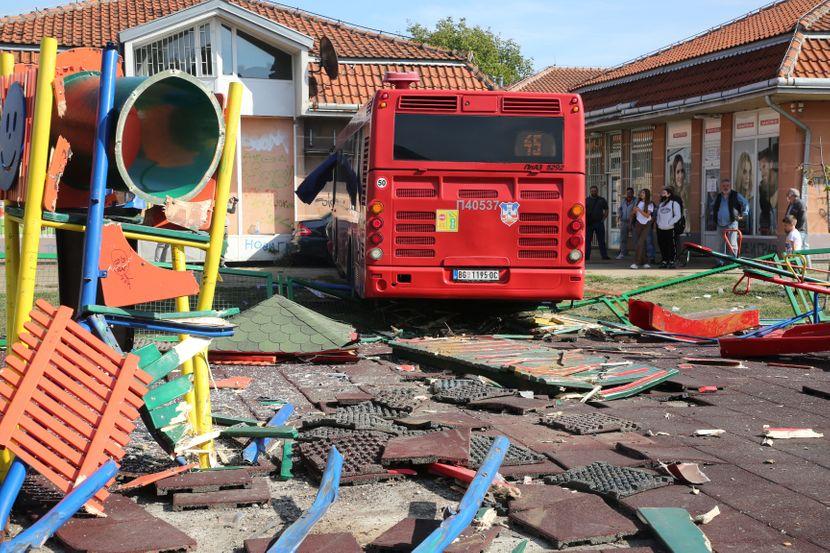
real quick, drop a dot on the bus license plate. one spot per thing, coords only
(475, 275)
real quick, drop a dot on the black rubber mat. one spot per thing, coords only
(401, 399)
(471, 391)
(609, 480)
(516, 454)
(447, 384)
(589, 423)
(352, 420)
(362, 452)
(373, 408)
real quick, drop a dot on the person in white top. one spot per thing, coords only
(642, 217)
(793, 242)
(668, 214)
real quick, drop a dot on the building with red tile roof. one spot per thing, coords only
(557, 79)
(747, 100)
(288, 125)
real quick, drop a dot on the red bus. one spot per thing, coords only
(461, 194)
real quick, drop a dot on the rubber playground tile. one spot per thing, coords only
(362, 452)
(580, 519)
(589, 423)
(516, 454)
(405, 535)
(471, 392)
(734, 532)
(608, 480)
(817, 389)
(573, 458)
(352, 397)
(455, 418)
(398, 398)
(536, 470)
(128, 528)
(450, 446)
(673, 454)
(538, 495)
(205, 481)
(670, 496)
(517, 405)
(257, 494)
(340, 542)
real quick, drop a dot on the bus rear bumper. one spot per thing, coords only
(436, 282)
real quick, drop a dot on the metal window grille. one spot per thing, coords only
(186, 51)
(641, 156)
(594, 149)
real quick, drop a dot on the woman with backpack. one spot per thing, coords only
(668, 215)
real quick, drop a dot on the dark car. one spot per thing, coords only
(310, 241)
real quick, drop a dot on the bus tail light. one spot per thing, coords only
(376, 223)
(376, 208)
(376, 253)
(576, 226)
(574, 241)
(375, 238)
(576, 211)
(575, 256)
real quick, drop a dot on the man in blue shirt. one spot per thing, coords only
(729, 209)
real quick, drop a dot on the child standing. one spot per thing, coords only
(793, 241)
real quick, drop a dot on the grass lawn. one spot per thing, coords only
(713, 292)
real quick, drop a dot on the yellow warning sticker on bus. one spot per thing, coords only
(446, 220)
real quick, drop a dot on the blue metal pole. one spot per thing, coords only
(11, 487)
(293, 537)
(98, 182)
(37, 534)
(258, 446)
(452, 527)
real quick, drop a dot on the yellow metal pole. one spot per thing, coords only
(201, 376)
(11, 235)
(182, 305)
(38, 159)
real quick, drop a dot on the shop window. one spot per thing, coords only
(593, 153)
(613, 190)
(188, 50)
(227, 50)
(257, 60)
(755, 170)
(641, 155)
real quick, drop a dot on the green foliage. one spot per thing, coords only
(496, 56)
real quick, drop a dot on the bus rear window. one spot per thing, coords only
(474, 138)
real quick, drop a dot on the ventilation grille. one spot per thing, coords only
(530, 105)
(407, 252)
(431, 103)
(539, 217)
(538, 229)
(539, 194)
(415, 240)
(414, 227)
(416, 215)
(473, 193)
(364, 166)
(539, 242)
(415, 192)
(537, 254)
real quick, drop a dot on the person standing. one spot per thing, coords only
(643, 211)
(730, 208)
(596, 211)
(624, 215)
(795, 208)
(792, 243)
(668, 215)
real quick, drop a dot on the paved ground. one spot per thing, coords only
(771, 497)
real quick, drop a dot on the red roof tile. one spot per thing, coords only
(356, 83)
(96, 22)
(774, 20)
(556, 79)
(814, 59)
(705, 78)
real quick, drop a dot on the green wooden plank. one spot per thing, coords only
(163, 366)
(147, 354)
(230, 420)
(674, 527)
(287, 461)
(167, 415)
(245, 431)
(158, 316)
(167, 392)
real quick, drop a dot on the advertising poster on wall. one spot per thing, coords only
(711, 169)
(743, 179)
(677, 174)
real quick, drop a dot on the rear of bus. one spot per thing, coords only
(474, 195)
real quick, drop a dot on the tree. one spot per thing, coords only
(498, 57)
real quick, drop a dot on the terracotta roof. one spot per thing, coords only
(776, 19)
(356, 83)
(96, 22)
(814, 60)
(557, 79)
(705, 78)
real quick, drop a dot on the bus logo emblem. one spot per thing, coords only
(509, 212)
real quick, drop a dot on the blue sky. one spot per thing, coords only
(560, 32)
